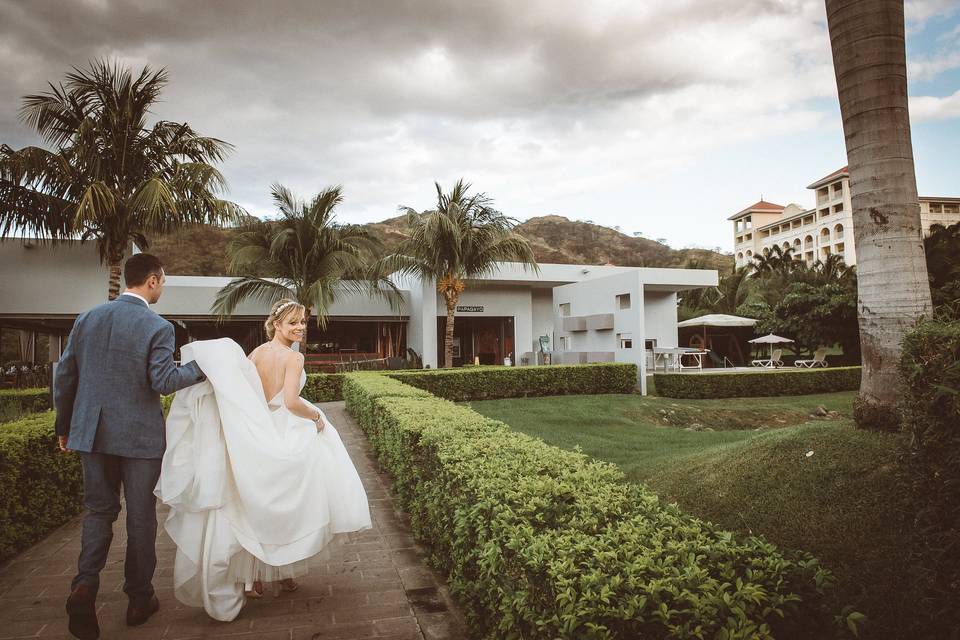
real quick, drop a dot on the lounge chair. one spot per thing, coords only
(771, 362)
(819, 360)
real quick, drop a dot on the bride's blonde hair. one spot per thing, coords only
(279, 312)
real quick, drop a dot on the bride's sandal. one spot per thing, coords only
(289, 585)
(257, 591)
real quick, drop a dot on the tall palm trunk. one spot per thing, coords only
(113, 288)
(869, 59)
(451, 298)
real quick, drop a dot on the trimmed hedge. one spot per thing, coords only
(487, 383)
(930, 375)
(19, 402)
(361, 389)
(323, 387)
(40, 487)
(539, 542)
(793, 382)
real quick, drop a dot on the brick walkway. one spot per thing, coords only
(372, 585)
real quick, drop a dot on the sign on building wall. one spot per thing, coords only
(470, 308)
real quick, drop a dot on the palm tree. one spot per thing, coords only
(465, 237)
(834, 269)
(731, 292)
(305, 254)
(776, 261)
(112, 178)
(869, 60)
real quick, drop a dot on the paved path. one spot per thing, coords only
(373, 584)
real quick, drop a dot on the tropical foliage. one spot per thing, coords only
(464, 237)
(930, 382)
(304, 254)
(111, 177)
(814, 304)
(942, 248)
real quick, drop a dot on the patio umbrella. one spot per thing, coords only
(770, 339)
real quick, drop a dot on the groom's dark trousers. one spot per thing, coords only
(118, 361)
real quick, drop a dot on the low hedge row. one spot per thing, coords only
(18, 402)
(484, 383)
(40, 487)
(539, 542)
(930, 375)
(789, 382)
(323, 387)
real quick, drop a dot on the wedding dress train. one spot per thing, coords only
(254, 491)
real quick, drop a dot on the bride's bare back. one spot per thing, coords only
(271, 362)
(280, 368)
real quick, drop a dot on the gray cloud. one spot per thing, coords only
(540, 103)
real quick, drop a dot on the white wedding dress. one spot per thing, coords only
(254, 490)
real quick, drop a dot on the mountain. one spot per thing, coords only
(202, 250)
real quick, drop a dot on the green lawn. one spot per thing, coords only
(847, 502)
(641, 433)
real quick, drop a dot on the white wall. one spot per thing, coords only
(599, 295)
(542, 322)
(422, 324)
(48, 280)
(660, 317)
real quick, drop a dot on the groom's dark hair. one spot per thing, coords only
(139, 267)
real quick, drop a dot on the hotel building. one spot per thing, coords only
(825, 229)
(563, 313)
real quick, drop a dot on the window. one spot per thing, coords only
(565, 309)
(649, 344)
(934, 208)
(564, 343)
(623, 301)
(625, 340)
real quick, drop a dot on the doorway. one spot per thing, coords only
(485, 339)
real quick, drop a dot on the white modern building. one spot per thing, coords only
(826, 229)
(572, 313)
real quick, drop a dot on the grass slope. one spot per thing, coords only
(848, 503)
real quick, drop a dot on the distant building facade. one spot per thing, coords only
(826, 229)
(513, 315)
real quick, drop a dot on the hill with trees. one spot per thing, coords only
(555, 239)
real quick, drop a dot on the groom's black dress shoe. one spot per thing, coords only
(140, 610)
(82, 609)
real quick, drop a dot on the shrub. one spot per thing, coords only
(40, 487)
(361, 389)
(18, 402)
(483, 383)
(794, 382)
(930, 374)
(539, 542)
(323, 387)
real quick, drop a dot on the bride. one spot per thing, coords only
(257, 479)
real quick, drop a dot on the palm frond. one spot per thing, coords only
(236, 291)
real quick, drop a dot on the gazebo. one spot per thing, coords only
(726, 336)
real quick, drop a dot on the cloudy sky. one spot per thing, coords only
(657, 119)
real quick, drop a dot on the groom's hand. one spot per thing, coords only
(62, 441)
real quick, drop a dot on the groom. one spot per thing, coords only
(118, 361)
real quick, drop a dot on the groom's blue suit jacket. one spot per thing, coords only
(118, 361)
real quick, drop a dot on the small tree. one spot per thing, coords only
(305, 254)
(463, 238)
(816, 316)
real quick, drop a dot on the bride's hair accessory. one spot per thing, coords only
(279, 310)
